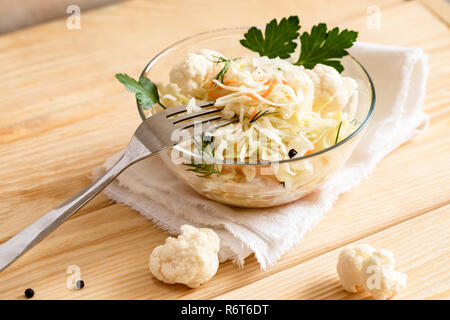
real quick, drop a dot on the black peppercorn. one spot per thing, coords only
(79, 284)
(292, 153)
(29, 293)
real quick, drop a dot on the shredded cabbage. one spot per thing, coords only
(279, 106)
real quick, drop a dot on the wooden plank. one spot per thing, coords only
(50, 141)
(441, 8)
(421, 247)
(379, 202)
(64, 124)
(112, 245)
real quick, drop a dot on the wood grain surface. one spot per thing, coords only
(63, 113)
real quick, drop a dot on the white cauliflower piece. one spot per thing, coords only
(350, 264)
(192, 107)
(191, 259)
(171, 95)
(192, 74)
(332, 91)
(378, 276)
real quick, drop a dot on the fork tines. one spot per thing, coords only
(181, 109)
(183, 120)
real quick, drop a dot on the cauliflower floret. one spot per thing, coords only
(378, 276)
(192, 74)
(192, 258)
(171, 95)
(332, 91)
(192, 107)
(363, 267)
(350, 264)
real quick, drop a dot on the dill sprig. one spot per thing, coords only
(338, 131)
(226, 65)
(260, 114)
(204, 169)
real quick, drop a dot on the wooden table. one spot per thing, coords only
(63, 113)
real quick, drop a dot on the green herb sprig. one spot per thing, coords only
(338, 132)
(323, 46)
(260, 114)
(278, 39)
(226, 65)
(319, 46)
(204, 169)
(145, 90)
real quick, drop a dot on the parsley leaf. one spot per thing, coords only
(278, 39)
(145, 90)
(321, 46)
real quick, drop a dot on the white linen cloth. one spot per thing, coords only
(399, 75)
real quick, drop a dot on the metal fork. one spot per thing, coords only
(151, 137)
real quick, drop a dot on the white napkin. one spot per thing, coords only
(399, 75)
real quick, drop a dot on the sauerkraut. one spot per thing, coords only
(282, 111)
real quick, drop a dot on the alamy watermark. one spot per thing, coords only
(73, 22)
(197, 146)
(374, 280)
(373, 19)
(75, 276)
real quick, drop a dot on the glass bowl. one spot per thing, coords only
(264, 190)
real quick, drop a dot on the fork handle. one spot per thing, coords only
(31, 235)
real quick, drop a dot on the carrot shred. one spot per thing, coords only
(214, 95)
(309, 152)
(227, 82)
(272, 84)
(288, 84)
(324, 160)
